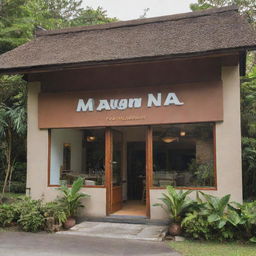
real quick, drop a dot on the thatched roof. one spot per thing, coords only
(183, 35)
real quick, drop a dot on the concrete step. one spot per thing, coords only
(118, 231)
(125, 219)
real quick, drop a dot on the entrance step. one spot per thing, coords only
(126, 219)
(118, 230)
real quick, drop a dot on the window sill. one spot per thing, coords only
(94, 186)
(188, 188)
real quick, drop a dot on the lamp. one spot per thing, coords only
(169, 139)
(90, 138)
(182, 133)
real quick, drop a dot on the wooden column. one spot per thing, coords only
(108, 171)
(149, 166)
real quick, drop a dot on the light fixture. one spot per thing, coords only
(90, 138)
(182, 133)
(169, 139)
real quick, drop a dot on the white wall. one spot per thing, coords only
(58, 138)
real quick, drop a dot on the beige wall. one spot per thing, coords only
(37, 158)
(95, 204)
(228, 145)
(37, 147)
(228, 149)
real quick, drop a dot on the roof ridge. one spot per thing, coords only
(137, 22)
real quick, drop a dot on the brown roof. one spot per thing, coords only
(194, 33)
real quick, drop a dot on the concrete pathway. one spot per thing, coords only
(118, 230)
(29, 244)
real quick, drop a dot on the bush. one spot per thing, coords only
(217, 219)
(197, 226)
(7, 215)
(247, 224)
(31, 216)
(54, 210)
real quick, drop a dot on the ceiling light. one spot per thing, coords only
(90, 138)
(169, 139)
(182, 133)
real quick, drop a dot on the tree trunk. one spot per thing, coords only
(8, 153)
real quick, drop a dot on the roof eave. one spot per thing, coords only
(77, 65)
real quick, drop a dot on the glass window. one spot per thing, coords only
(183, 155)
(77, 153)
(94, 156)
(66, 156)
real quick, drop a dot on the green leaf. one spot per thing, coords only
(213, 217)
(222, 223)
(253, 239)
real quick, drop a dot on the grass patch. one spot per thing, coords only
(198, 248)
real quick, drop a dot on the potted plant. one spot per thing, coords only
(71, 201)
(176, 204)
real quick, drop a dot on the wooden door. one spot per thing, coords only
(114, 158)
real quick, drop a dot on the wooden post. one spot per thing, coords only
(149, 166)
(108, 171)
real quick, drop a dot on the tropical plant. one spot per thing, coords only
(176, 203)
(214, 219)
(247, 224)
(218, 210)
(71, 197)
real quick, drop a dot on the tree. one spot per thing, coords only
(246, 7)
(12, 121)
(90, 16)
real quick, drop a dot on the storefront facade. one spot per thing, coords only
(194, 109)
(130, 128)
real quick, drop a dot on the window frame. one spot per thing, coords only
(183, 187)
(49, 168)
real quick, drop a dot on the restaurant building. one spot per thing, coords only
(134, 106)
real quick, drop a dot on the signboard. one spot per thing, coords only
(183, 103)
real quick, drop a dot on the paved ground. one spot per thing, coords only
(28, 244)
(118, 230)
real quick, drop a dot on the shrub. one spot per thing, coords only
(54, 210)
(247, 224)
(197, 226)
(31, 216)
(215, 219)
(7, 215)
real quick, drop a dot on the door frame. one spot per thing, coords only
(108, 167)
